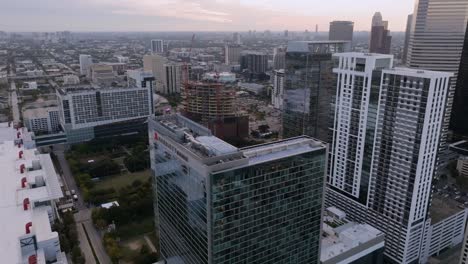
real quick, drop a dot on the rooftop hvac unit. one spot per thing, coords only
(39, 180)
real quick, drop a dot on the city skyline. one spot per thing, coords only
(200, 15)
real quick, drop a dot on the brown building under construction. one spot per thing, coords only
(213, 105)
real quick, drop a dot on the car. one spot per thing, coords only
(67, 193)
(73, 192)
(75, 197)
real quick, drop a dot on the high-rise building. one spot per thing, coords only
(458, 121)
(42, 120)
(168, 74)
(409, 23)
(380, 39)
(309, 87)
(436, 43)
(255, 62)
(87, 112)
(232, 54)
(140, 79)
(157, 46)
(386, 132)
(341, 30)
(85, 62)
(279, 58)
(212, 104)
(215, 203)
(277, 95)
(236, 38)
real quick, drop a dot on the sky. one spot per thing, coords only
(196, 15)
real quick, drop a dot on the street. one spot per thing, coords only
(83, 216)
(14, 104)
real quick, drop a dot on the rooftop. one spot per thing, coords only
(364, 55)
(319, 47)
(341, 236)
(442, 208)
(40, 184)
(38, 112)
(461, 147)
(418, 72)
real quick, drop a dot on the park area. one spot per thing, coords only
(118, 170)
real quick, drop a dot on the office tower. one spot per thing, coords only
(87, 112)
(212, 104)
(232, 54)
(341, 30)
(436, 43)
(168, 74)
(157, 46)
(380, 39)
(254, 62)
(140, 79)
(309, 87)
(29, 201)
(409, 23)
(383, 157)
(236, 38)
(85, 62)
(458, 122)
(277, 95)
(279, 58)
(215, 203)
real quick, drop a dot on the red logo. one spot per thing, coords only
(156, 136)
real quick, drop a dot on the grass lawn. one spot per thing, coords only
(119, 181)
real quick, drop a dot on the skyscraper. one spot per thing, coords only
(157, 46)
(255, 62)
(380, 39)
(279, 58)
(436, 43)
(232, 54)
(341, 30)
(385, 140)
(215, 203)
(409, 23)
(168, 74)
(458, 122)
(309, 87)
(277, 95)
(85, 63)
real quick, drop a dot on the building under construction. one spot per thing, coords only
(213, 105)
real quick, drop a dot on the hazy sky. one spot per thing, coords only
(191, 15)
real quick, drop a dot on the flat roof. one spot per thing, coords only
(364, 55)
(13, 217)
(442, 208)
(39, 112)
(282, 149)
(418, 72)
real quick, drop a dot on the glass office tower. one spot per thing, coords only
(309, 88)
(219, 204)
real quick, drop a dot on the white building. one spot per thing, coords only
(232, 54)
(122, 59)
(30, 86)
(86, 112)
(386, 134)
(277, 95)
(29, 190)
(344, 241)
(85, 62)
(222, 77)
(42, 120)
(157, 46)
(102, 74)
(140, 79)
(71, 79)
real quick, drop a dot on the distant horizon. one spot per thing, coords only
(185, 31)
(196, 15)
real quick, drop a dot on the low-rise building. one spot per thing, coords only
(42, 120)
(344, 241)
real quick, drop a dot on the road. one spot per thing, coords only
(83, 216)
(14, 104)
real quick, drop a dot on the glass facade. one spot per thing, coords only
(309, 87)
(256, 205)
(269, 213)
